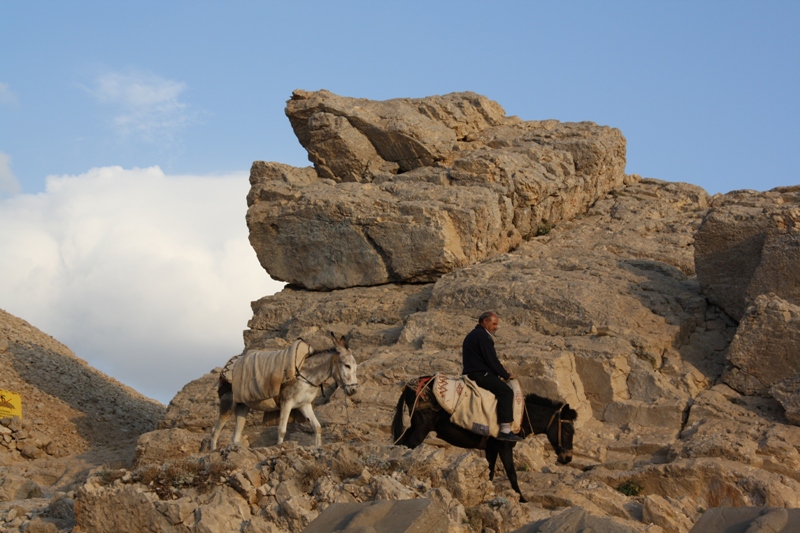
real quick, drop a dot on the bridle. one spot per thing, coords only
(336, 361)
(336, 364)
(556, 416)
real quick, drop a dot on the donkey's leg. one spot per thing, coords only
(492, 449)
(507, 457)
(241, 411)
(286, 410)
(422, 422)
(221, 421)
(225, 411)
(308, 412)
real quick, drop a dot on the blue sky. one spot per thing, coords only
(145, 116)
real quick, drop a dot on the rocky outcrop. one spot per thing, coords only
(746, 252)
(611, 314)
(259, 490)
(407, 190)
(607, 310)
(748, 245)
(603, 312)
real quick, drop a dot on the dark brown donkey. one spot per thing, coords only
(541, 415)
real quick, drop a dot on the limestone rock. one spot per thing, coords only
(411, 133)
(196, 405)
(16, 487)
(787, 392)
(370, 316)
(748, 245)
(158, 446)
(765, 348)
(468, 183)
(126, 509)
(386, 516)
(666, 513)
(727, 425)
(709, 483)
(748, 520)
(577, 520)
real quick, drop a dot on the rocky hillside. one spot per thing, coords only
(75, 418)
(667, 318)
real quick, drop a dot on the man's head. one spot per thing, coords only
(489, 321)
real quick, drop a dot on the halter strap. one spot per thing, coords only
(302, 377)
(557, 414)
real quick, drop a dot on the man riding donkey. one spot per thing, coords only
(482, 366)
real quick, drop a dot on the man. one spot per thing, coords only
(482, 366)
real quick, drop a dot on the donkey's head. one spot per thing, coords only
(561, 431)
(344, 366)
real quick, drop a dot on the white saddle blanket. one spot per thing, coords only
(472, 407)
(257, 375)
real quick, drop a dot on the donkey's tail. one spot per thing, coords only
(397, 422)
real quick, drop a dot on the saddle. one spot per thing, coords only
(257, 375)
(472, 407)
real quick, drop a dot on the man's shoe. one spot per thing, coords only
(509, 437)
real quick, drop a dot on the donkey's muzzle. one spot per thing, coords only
(565, 457)
(350, 389)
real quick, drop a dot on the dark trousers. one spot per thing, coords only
(503, 393)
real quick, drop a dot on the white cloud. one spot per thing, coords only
(7, 96)
(147, 106)
(147, 277)
(9, 185)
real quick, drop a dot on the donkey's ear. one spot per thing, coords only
(569, 413)
(340, 341)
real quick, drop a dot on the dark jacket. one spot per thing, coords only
(478, 354)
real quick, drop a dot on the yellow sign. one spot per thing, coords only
(10, 404)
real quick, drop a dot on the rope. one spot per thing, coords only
(528, 417)
(413, 408)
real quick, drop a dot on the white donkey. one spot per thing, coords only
(337, 362)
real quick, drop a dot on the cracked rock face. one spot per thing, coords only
(749, 244)
(407, 190)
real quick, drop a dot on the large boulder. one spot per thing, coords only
(749, 520)
(419, 515)
(749, 244)
(408, 190)
(765, 350)
(349, 138)
(723, 424)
